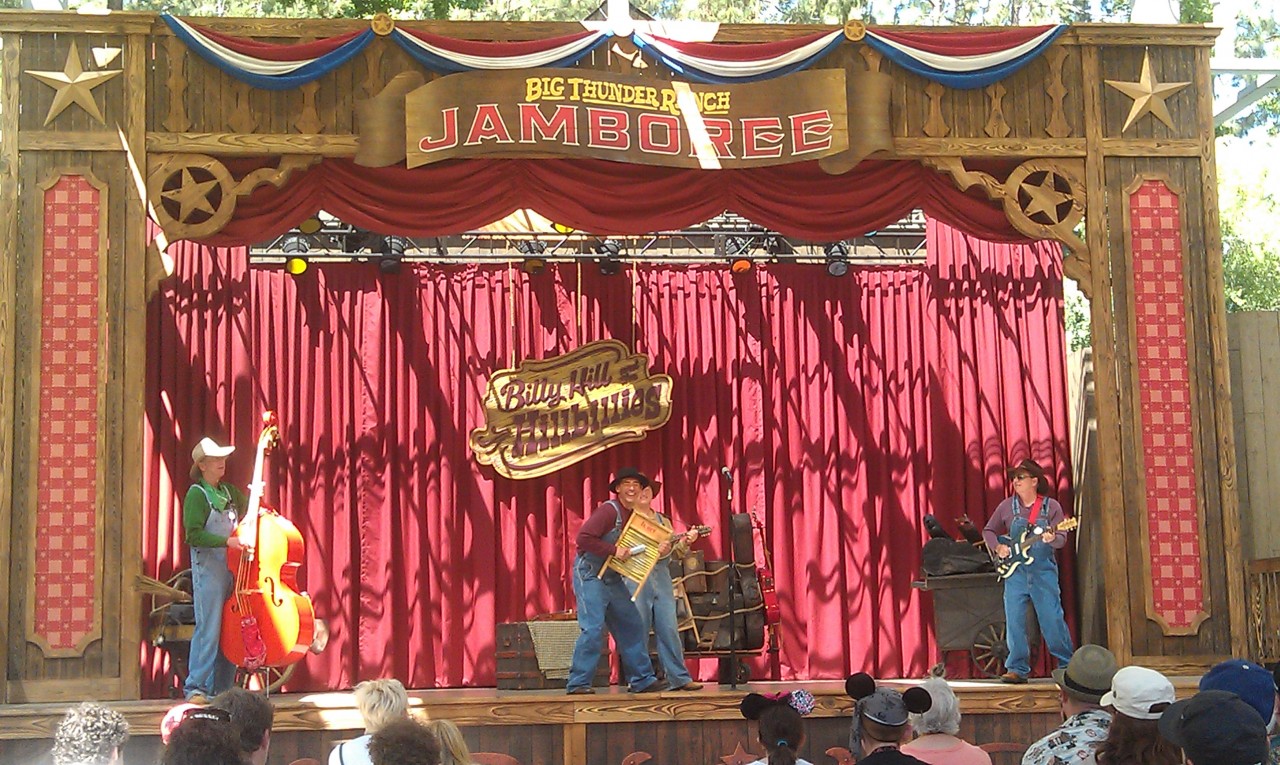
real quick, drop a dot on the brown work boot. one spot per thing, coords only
(580, 690)
(692, 685)
(1013, 678)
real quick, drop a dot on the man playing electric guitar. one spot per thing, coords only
(1035, 581)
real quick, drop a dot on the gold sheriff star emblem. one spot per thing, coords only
(74, 86)
(1148, 95)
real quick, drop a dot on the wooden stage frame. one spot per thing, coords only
(104, 133)
(553, 728)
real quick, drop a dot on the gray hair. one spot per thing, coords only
(381, 702)
(90, 734)
(944, 715)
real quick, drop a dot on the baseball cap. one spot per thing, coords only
(1251, 682)
(1140, 693)
(1216, 728)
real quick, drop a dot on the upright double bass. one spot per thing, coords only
(266, 621)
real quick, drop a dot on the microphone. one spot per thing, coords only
(724, 471)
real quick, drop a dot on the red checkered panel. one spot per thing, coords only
(66, 538)
(1164, 392)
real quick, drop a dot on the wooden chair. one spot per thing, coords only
(841, 755)
(1004, 752)
(493, 758)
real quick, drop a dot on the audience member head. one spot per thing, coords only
(880, 715)
(252, 716)
(205, 736)
(89, 734)
(381, 702)
(404, 742)
(943, 715)
(1086, 679)
(453, 747)
(172, 718)
(780, 727)
(1138, 697)
(1251, 682)
(1216, 728)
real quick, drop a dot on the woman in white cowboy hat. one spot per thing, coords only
(210, 512)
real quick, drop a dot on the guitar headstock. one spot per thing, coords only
(702, 530)
(1069, 524)
(270, 435)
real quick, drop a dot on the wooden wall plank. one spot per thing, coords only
(10, 89)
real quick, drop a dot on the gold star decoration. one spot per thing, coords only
(1148, 95)
(1045, 197)
(191, 195)
(74, 86)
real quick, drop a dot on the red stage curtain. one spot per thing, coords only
(609, 198)
(848, 409)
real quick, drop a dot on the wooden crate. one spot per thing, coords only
(518, 666)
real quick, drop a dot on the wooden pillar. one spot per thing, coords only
(1170, 516)
(71, 400)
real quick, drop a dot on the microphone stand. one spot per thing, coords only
(735, 586)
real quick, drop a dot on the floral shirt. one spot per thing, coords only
(1275, 750)
(1075, 742)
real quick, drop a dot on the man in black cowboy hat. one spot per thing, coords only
(603, 599)
(1036, 581)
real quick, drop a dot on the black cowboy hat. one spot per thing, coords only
(1032, 467)
(628, 472)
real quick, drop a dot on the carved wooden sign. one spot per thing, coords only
(551, 413)
(578, 113)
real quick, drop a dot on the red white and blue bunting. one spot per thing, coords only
(268, 66)
(726, 63)
(961, 60)
(964, 60)
(449, 55)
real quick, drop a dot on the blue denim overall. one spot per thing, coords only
(1036, 582)
(604, 601)
(657, 605)
(209, 672)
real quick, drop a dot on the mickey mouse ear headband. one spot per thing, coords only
(754, 704)
(885, 705)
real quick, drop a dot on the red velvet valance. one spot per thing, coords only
(600, 197)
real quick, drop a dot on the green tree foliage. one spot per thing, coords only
(1257, 36)
(1249, 193)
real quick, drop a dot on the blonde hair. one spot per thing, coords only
(381, 702)
(453, 749)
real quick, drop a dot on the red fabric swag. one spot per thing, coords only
(609, 198)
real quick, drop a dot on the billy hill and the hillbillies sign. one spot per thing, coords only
(548, 414)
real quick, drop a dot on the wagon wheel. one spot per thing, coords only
(989, 649)
(267, 679)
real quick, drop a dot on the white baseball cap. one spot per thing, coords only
(209, 448)
(1140, 693)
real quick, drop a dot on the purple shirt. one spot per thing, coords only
(592, 531)
(1003, 517)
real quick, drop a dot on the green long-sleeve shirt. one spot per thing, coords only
(195, 511)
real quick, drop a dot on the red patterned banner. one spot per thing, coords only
(65, 597)
(1176, 598)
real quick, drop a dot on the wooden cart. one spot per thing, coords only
(968, 615)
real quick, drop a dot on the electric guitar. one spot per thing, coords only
(1020, 551)
(768, 593)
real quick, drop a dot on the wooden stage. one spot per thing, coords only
(551, 728)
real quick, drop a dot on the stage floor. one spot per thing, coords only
(549, 727)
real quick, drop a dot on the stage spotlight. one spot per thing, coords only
(611, 262)
(533, 266)
(295, 248)
(393, 248)
(837, 258)
(310, 225)
(740, 265)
